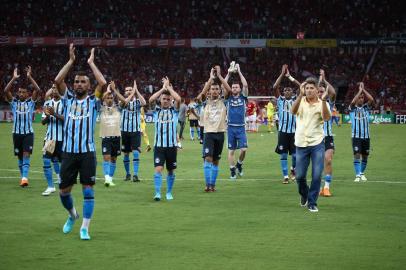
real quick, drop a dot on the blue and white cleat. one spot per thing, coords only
(84, 234)
(67, 228)
(169, 196)
(157, 197)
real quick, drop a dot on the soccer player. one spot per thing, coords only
(237, 138)
(287, 125)
(359, 115)
(311, 112)
(325, 86)
(52, 116)
(193, 120)
(182, 118)
(80, 111)
(214, 121)
(270, 110)
(22, 107)
(110, 117)
(144, 130)
(165, 145)
(131, 131)
(251, 116)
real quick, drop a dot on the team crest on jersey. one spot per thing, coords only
(157, 160)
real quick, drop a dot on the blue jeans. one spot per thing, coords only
(303, 157)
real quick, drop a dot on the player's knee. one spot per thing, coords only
(208, 159)
(284, 156)
(88, 192)
(113, 159)
(106, 157)
(26, 154)
(159, 169)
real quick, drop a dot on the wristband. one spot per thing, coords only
(291, 78)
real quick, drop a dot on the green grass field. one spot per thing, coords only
(252, 223)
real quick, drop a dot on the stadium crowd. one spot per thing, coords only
(203, 19)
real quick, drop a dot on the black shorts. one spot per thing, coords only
(213, 145)
(329, 143)
(166, 155)
(111, 146)
(130, 141)
(23, 143)
(360, 146)
(74, 164)
(57, 152)
(286, 143)
(194, 123)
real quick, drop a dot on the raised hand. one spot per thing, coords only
(165, 82)
(302, 88)
(287, 74)
(284, 69)
(29, 71)
(218, 71)
(135, 85)
(325, 95)
(212, 74)
(91, 57)
(237, 66)
(15, 74)
(72, 56)
(361, 86)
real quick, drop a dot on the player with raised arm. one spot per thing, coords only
(22, 107)
(80, 112)
(329, 146)
(287, 124)
(236, 108)
(165, 144)
(52, 116)
(214, 120)
(131, 131)
(359, 115)
(110, 117)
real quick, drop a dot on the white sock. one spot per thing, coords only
(326, 185)
(107, 178)
(85, 223)
(73, 213)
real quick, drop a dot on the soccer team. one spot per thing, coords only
(304, 131)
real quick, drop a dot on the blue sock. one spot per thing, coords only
(126, 161)
(192, 133)
(157, 182)
(357, 167)
(88, 202)
(207, 172)
(106, 167)
(66, 200)
(48, 171)
(26, 166)
(170, 179)
(136, 162)
(284, 164)
(294, 161)
(364, 163)
(20, 167)
(198, 133)
(57, 167)
(328, 178)
(112, 169)
(214, 174)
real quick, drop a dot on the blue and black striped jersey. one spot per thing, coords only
(55, 125)
(23, 113)
(287, 120)
(165, 121)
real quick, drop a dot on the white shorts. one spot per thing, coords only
(252, 118)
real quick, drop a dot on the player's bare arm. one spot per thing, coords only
(276, 85)
(243, 81)
(34, 83)
(9, 86)
(96, 72)
(60, 78)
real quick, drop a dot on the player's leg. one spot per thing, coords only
(171, 155)
(126, 149)
(47, 159)
(217, 150)
(292, 152)
(56, 160)
(159, 161)
(201, 128)
(270, 123)
(208, 148)
(303, 160)
(87, 169)
(191, 130)
(364, 155)
(69, 173)
(317, 157)
(328, 172)
(242, 144)
(232, 146)
(27, 147)
(145, 137)
(115, 152)
(282, 149)
(106, 151)
(356, 146)
(135, 146)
